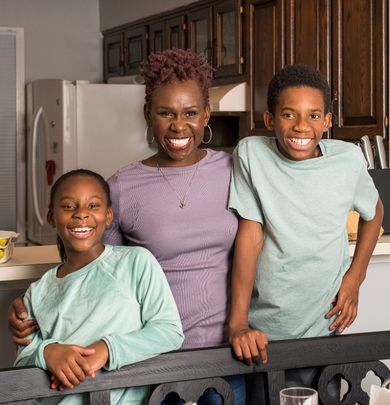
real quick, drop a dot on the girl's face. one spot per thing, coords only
(299, 122)
(178, 115)
(80, 215)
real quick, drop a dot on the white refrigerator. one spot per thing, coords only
(77, 124)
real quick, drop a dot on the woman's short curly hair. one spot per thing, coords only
(176, 65)
(297, 75)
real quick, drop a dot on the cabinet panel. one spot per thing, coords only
(156, 37)
(227, 44)
(136, 48)
(359, 65)
(175, 33)
(113, 55)
(267, 56)
(308, 33)
(200, 33)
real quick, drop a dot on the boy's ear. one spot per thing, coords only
(327, 121)
(109, 216)
(268, 120)
(50, 218)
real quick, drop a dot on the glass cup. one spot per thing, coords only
(298, 396)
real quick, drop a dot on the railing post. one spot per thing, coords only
(99, 398)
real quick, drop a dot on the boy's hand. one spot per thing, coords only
(68, 364)
(249, 345)
(346, 303)
(17, 323)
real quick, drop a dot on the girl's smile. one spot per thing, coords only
(80, 214)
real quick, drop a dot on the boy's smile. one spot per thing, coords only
(299, 122)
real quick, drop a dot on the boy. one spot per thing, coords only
(293, 194)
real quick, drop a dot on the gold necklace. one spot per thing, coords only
(182, 199)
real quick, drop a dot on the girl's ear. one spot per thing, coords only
(50, 218)
(268, 120)
(109, 216)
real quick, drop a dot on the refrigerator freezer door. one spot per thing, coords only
(48, 123)
(110, 126)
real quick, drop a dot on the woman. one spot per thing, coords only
(175, 202)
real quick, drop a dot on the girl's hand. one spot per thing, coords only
(346, 303)
(249, 345)
(100, 357)
(17, 324)
(68, 364)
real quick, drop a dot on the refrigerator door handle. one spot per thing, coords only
(33, 168)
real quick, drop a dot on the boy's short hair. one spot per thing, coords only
(297, 75)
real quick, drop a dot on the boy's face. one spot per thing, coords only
(299, 122)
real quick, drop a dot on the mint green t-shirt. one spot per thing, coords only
(303, 208)
(122, 297)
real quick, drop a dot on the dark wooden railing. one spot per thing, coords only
(350, 356)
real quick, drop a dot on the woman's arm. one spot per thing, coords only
(248, 344)
(18, 324)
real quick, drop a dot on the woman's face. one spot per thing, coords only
(177, 116)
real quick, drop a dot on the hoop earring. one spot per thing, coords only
(148, 138)
(210, 134)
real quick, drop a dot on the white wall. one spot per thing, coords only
(117, 12)
(62, 37)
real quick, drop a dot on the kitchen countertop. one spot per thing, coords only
(31, 262)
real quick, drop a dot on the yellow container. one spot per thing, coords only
(6, 245)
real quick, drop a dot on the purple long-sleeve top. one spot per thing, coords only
(193, 244)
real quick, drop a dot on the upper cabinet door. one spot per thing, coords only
(156, 37)
(308, 33)
(266, 48)
(175, 32)
(359, 79)
(227, 44)
(136, 48)
(199, 34)
(113, 55)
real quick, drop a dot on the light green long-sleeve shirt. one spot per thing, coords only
(122, 297)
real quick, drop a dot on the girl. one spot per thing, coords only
(82, 306)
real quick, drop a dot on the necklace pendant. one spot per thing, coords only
(182, 204)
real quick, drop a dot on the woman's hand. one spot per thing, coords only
(19, 327)
(68, 364)
(249, 345)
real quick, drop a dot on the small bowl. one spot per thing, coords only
(6, 245)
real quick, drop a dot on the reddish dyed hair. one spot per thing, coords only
(176, 65)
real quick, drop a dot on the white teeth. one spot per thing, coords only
(179, 142)
(81, 230)
(300, 141)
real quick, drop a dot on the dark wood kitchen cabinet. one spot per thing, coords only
(215, 30)
(210, 27)
(124, 50)
(359, 68)
(345, 39)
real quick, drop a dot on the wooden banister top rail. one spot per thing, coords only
(19, 384)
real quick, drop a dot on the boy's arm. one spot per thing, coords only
(248, 344)
(346, 301)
